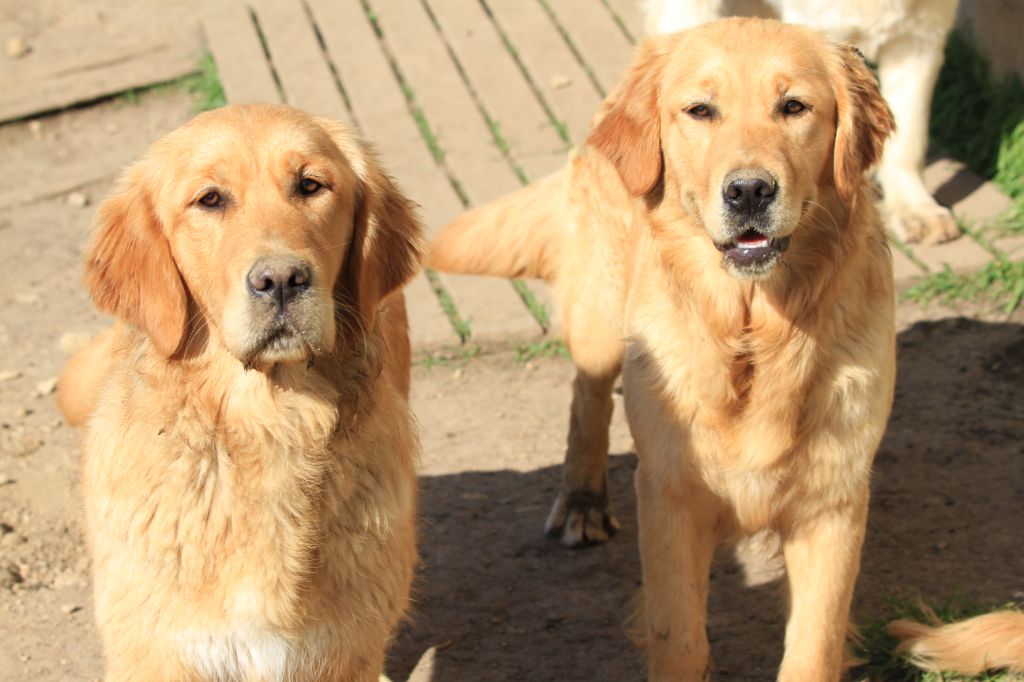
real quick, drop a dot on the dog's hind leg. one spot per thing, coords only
(582, 512)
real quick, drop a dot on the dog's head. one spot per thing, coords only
(270, 228)
(745, 123)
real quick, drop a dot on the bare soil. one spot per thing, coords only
(499, 599)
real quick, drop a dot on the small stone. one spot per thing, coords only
(9, 374)
(112, 128)
(19, 443)
(5, 479)
(72, 342)
(22, 412)
(27, 299)
(70, 608)
(559, 82)
(13, 540)
(457, 374)
(46, 387)
(16, 47)
(78, 200)
(35, 128)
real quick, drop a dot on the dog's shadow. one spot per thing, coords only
(500, 601)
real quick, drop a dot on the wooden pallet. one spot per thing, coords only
(466, 101)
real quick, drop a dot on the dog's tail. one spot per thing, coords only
(79, 384)
(994, 641)
(518, 235)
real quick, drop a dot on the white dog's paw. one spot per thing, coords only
(928, 224)
(581, 517)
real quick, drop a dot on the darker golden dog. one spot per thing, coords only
(715, 239)
(249, 475)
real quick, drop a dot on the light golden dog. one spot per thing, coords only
(716, 237)
(906, 39)
(249, 467)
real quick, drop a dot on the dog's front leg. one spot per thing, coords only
(678, 536)
(822, 559)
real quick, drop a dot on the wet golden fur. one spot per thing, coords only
(756, 397)
(249, 500)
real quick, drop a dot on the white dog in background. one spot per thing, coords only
(906, 39)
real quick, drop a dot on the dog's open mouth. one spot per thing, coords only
(753, 250)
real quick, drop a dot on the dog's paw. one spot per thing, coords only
(923, 224)
(581, 518)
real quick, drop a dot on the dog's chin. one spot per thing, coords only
(281, 345)
(752, 255)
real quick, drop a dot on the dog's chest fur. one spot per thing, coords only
(259, 508)
(751, 397)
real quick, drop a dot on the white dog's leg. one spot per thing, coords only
(908, 69)
(669, 16)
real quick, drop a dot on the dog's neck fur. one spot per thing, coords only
(749, 327)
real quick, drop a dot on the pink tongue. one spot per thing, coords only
(752, 241)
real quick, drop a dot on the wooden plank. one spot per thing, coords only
(904, 270)
(104, 68)
(550, 62)
(380, 108)
(533, 141)
(631, 16)
(421, 55)
(232, 38)
(300, 65)
(600, 43)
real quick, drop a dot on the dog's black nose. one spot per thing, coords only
(280, 278)
(749, 195)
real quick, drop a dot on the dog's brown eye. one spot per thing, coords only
(212, 199)
(309, 186)
(699, 111)
(793, 107)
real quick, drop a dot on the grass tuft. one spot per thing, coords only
(978, 117)
(1000, 282)
(541, 349)
(204, 86)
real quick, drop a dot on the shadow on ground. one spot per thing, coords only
(503, 602)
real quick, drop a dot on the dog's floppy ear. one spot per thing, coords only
(387, 240)
(129, 270)
(627, 128)
(863, 121)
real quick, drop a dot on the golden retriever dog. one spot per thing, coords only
(993, 641)
(716, 239)
(906, 39)
(249, 457)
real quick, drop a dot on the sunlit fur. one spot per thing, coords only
(992, 641)
(250, 514)
(754, 402)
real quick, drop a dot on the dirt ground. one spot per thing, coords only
(498, 599)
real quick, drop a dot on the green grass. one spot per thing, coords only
(541, 349)
(204, 86)
(877, 648)
(999, 283)
(460, 325)
(459, 357)
(979, 118)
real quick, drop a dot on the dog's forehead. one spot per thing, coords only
(747, 54)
